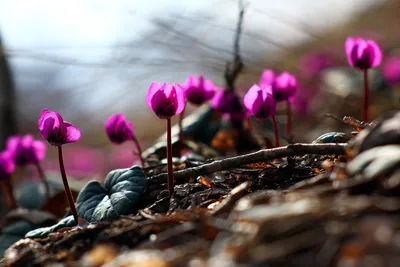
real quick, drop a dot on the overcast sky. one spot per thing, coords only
(88, 30)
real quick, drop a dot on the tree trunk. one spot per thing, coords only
(8, 124)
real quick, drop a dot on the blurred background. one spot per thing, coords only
(87, 59)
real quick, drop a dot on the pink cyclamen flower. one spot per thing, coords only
(118, 129)
(7, 165)
(362, 54)
(55, 130)
(25, 149)
(391, 70)
(267, 78)
(198, 91)
(260, 102)
(166, 100)
(228, 103)
(312, 64)
(284, 87)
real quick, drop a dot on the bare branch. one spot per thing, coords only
(259, 156)
(233, 69)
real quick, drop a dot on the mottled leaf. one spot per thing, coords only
(44, 231)
(13, 233)
(118, 196)
(331, 137)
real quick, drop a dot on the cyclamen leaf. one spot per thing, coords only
(13, 233)
(121, 190)
(44, 231)
(331, 137)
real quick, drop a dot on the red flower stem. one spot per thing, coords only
(181, 116)
(139, 149)
(275, 131)
(6, 187)
(366, 98)
(288, 120)
(66, 186)
(169, 159)
(249, 127)
(43, 178)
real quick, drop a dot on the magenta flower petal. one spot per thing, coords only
(284, 87)
(229, 103)
(25, 149)
(55, 130)
(198, 90)
(165, 100)
(267, 78)
(118, 129)
(7, 165)
(391, 70)
(362, 54)
(154, 88)
(376, 51)
(73, 134)
(259, 102)
(39, 149)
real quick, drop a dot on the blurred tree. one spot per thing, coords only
(8, 124)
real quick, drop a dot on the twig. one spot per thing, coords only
(232, 69)
(259, 156)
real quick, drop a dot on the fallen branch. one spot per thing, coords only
(259, 156)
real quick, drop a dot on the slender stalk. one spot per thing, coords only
(262, 155)
(6, 187)
(181, 116)
(169, 159)
(43, 178)
(248, 125)
(288, 120)
(66, 186)
(275, 131)
(139, 149)
(366, 96)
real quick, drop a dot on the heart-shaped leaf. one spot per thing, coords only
(44, 231)
(13, 233)
(121, 190)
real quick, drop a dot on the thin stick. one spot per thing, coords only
(181, 116)
(259, 156)
(275, 131)
(66, 186)
(169, 159)
(139, 149)
(366, 96)
(43, 179)
(6, 187)
(232, 69)
(288, 120)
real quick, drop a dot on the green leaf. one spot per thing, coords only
(13, 233)
(118, 196)
(332, 137)
(44, 231)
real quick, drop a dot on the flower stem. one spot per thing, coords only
(43, 178)
(6, 187)
(275, 131)
(288, 120)
(139, 149)
(181, 116)
(169, 159)
(366, 100)
(66, 186)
